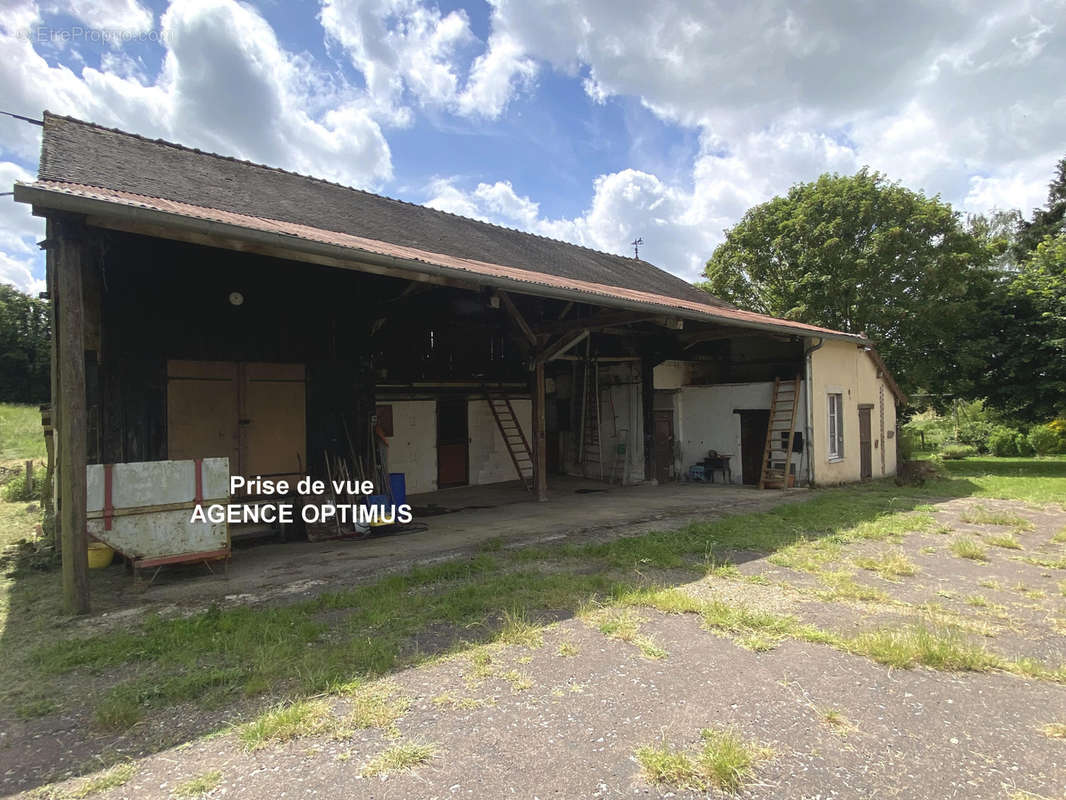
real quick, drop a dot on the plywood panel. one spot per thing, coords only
(274, 433)
(140, 529)
(202, 410)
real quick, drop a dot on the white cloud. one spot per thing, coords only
(625, 205)
(123, 16)
(406, 47)
(495, 76)
(963, 100)
(20, 259)
(226, 85)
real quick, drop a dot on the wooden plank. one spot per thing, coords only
(519, 320)
(273, 251)
(540, 453)
(69, 336)
(647, 396)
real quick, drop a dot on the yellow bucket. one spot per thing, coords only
(100, 555)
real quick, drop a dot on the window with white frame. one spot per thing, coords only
(835, 404)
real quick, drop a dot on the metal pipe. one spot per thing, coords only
(809, 392)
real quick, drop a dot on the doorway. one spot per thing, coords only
(866, 454)
(453, 443)
(753, 427)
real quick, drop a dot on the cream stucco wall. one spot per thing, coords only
(842, 367)
(489, 460)
(413, 445)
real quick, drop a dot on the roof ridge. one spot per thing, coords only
(258, 165)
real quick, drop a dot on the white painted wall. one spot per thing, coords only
(413, 445)
(489, 460)
(705, 421)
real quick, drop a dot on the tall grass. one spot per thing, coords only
(21, 435)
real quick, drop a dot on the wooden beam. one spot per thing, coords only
(519, 320)
(647, 395)
(540, 453)
(274, 251)
(69, 338)
(561, 346)
(693, 338)
(606, 319)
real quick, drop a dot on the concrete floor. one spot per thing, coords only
(457, 521)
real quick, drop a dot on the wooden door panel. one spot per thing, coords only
(202, 410)
(753, 427)
(453, 443)
(273, 420)
(866, 458)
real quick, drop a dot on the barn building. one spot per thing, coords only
(210, 307)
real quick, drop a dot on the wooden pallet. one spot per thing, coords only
(780, 434)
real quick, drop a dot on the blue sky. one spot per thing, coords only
(593, 121)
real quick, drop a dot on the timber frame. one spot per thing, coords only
(143, 252)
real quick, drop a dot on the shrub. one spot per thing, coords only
(956, 452)
(974, 424)
(1003, 442)
(906, 446)
(1044, 440)
(1058, 427)
(16, 491)
(1022, 443)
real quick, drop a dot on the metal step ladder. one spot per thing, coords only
(590, 442)
(780, 434)
(513, 436)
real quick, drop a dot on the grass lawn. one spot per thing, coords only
(21, 436)
(1034, 480)
(342, 638)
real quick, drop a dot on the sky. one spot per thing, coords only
(592, 121)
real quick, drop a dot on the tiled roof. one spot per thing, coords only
(589, 291)
(78, 152)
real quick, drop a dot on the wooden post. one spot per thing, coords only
(47, 501)
(29, 477)
(647, 396)
(540, 454)
(65, 255)
(55, 476)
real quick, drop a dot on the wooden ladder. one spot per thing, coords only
(780, 434)
(591, 439)
(513, 436)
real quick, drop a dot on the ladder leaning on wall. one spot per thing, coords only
(590, 439)
(780, 434)
(513, 436)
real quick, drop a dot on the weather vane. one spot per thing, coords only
(636, 246)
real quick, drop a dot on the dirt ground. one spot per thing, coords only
(563, 715)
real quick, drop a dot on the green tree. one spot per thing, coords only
(24, 347)
(1028, 372)
(1048, 221)
(863, 254)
